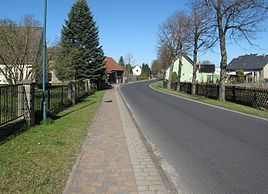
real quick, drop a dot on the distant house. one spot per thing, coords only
(255, 67)
(136, 71)
(113, 70)
(205, 73)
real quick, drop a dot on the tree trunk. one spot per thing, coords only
(179, 73)
(223, 57)
(194, 69)
(169, 76)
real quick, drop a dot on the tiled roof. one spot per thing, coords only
(248, 62)
(111, 65)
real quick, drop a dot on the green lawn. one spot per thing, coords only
(40, 159)
(228, 105)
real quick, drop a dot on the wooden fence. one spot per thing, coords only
(256, 98)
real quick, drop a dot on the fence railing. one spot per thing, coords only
(8, 103)
(57, 99)
(256, 98)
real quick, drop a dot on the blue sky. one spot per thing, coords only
(125, 26)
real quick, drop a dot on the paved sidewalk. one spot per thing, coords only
(113, 158)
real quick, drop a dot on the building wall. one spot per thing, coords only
(265, 72)
(25, 70)
(136, 71)
(187, 72)
(2, 77)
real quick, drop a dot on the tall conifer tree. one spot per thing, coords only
(121, 61)
(80, 44)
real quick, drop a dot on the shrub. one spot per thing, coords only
(174, 77)
(240, 75)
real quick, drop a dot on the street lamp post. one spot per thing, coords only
(44, 62)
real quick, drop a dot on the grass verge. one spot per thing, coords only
(228, 105)
(40, 159)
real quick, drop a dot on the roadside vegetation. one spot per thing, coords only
(40, 159)
(224, 104)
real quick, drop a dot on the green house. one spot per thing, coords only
(206, 73)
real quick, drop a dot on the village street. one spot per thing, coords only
(207, 149)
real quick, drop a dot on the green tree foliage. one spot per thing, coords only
(240, 75)
(121, 61)
(174, 77)
(145, 71)
(81, 55)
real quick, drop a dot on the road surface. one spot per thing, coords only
(211, 150)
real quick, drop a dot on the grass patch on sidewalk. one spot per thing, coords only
(40, 159)
(226, 104)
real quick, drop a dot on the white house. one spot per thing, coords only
(136, 71)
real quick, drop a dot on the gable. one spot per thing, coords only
(137, 68)
(111, 65)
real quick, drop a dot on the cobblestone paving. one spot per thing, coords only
(104, 164)
(113, 158)
(148, 179)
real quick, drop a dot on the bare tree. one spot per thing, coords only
(19, 48)
(165, 57)
(201, 33)
(174, 35)
(235, 19)
(129, 62)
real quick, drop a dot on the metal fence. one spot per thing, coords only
(8, 103)
(26, 100)
(56, 97)
(256, 98)
(80, 89)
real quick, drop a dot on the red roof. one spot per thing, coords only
(111, 65)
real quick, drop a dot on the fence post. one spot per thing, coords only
(61, 95)
(87, 86)
(218, 91)
(206, 95)
(233, 94)
(26, 101)
(48, 99)
(72, 92)
(21, 100)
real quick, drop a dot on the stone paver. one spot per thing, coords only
(148, 179)
(113, 158)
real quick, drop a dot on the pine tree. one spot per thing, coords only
(80, 44)
(121, 61)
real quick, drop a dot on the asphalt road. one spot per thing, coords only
(212, 150)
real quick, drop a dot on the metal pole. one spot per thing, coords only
(44, 62)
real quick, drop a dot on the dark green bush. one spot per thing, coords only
(174, 77)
